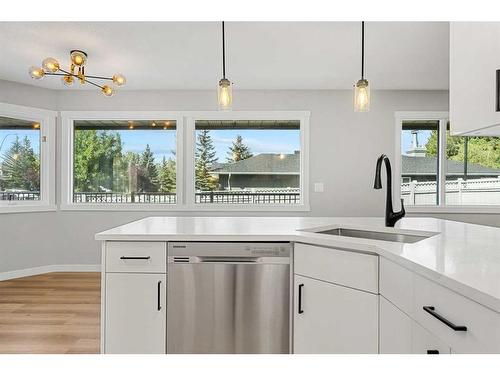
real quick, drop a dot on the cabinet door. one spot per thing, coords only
(395, 329)
(135, 313)
(424, 342)
(333, 319)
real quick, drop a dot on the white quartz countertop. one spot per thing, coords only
(463, 257)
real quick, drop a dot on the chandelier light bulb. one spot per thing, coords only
(78, 58)
(36, 72)
(107, 91)
(67, 80)
(225, 94)
(119, 79)
(50, 64)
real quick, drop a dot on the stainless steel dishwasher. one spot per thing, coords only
(228, 297)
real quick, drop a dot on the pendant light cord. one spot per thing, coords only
(362, 49)
(223, 52)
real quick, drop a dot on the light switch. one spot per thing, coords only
(319, 187)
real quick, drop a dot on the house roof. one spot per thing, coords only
(263, 164)
(290, 164)
(428, 165)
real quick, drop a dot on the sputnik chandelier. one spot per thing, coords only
(76, 72)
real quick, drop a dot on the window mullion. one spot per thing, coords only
(442, 162)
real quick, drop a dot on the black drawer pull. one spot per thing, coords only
(159, 296)
(135, 258)
(300, 298)
(432, 351)
(431, 310)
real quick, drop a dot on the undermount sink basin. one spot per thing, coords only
(372, 235)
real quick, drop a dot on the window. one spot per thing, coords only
(473, 170)
(124, 161)
(247, 162)
(26, 158)
(233, 160)
(438, 169)
(419, 162)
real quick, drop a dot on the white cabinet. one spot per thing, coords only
(134, 293)
(395, 329)
(135, 315)
(474, 59)
(333, 319)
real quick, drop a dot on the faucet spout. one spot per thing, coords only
(391, 217)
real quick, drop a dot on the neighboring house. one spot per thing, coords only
(424, 168)
(260, 171)
(417, 166)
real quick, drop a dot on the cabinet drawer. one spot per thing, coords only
(346, 268)
(424, 342)
(483, 324)
(146, 257)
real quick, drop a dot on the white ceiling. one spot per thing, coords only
(260, 55)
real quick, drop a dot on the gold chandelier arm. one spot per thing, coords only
(76, 76)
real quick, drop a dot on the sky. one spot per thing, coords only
(162, 142)
(33, 136)
(406, 139)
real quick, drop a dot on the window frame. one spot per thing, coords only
(442, 207)
(67, 137)
(190, 140)
(184, 161)
(47, 120)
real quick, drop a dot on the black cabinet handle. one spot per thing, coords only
(300, 298)
(159, 295)
(431, 310)
(432, 351)
(136, 258)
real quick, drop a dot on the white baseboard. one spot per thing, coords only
(51, 268)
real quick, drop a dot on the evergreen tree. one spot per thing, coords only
(147, 180)
(166, 176)
(205, 159)
(238, 150)
(21, 167)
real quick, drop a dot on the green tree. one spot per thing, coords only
(484, 151)
(147, 179)
(238, 150)
(21, 167)
(98, 160)
(166, 176)
(205, 159)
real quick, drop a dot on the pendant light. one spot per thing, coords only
(224, 90)
(362, 89)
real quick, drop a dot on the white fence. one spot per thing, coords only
(458, 192)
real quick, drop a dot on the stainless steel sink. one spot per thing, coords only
(372, 235)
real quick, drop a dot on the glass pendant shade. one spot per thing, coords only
(362, 96)
(50, 64)
(36, 72)
(78, 57)
(107, 91)
(225, 94)
(119, 79)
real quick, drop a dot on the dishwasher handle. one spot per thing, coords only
(227, 259)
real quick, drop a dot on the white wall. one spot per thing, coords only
(344, 148)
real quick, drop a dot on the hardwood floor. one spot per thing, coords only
(51, 313)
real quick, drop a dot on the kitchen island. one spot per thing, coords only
(422, 289)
